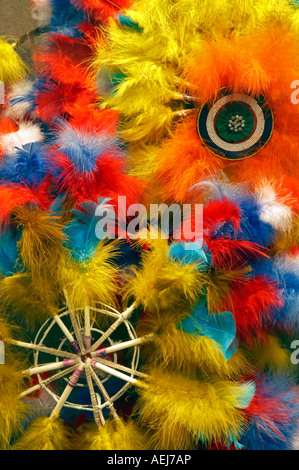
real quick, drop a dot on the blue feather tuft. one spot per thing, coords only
(28, 166)
(82, 147)
(286, 275)
(9, 252)
(64, 13)
(81, 231)
(275, 428)
(220, 327)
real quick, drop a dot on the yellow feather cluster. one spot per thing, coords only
(41, 243)
(12, 68)
(45, 434)
(162, 284)
(13, 412)
(19, 293)
(190, 354)
(269, 354)
(115, 435)
(92, 281)
(180, 411)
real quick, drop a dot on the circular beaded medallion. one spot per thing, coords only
(235, 126)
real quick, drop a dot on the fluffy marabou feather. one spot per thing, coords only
(81, 230)
(15, 195)
(164, 284)
(284, 273)
(254, 303)
(5, 328)
(45, 434)
(63, 60)
(12, 68)
(12, 410)
(227, 252)
(65, 16)
(91, 166)
(289, 240)
(278, 202)
(273, 414)
(183, 353)
(19, 295)
(25, 133)
(102, 10)
(20, 101)
(40, 245)
(9, 253)
(27, 166)
(94, 280)
(180, 412)
(270, 354)
(55, 100)
(114, 435)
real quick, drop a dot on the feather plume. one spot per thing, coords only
(12, 68)
(9, 254)
(27, 166)
(81, 231)
(40, 245)
(12, 410)
(45, 434)
(114, 435)
(188, 354)
(94, 280)
(20, 296)
(181, 412)
(164, 284)
(17, 195)
(273, 414)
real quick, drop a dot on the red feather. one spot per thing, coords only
(14, 195)
(102, 10)
(108, 179)
(253, 304)
(63, 60)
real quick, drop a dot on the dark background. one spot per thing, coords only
(15, 18)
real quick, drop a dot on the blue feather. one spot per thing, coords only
(252, 228)
(260, 434)
(28, 166)
(286, 275)
(189, 253)
(9, 252)
(83, 148)
(64, 13)
(220, 327)
(82, 231)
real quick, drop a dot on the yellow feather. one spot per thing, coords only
(114, 435)
(161, 284)
(189, 354)
(13, 412)
(19, 293)
(12, 68)
(92, 281)
(179, 411)
(45, 434)
(41, 243)
(269, 354)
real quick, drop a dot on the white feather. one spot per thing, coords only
(18, 111)
(26, 134)
(273, 211)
